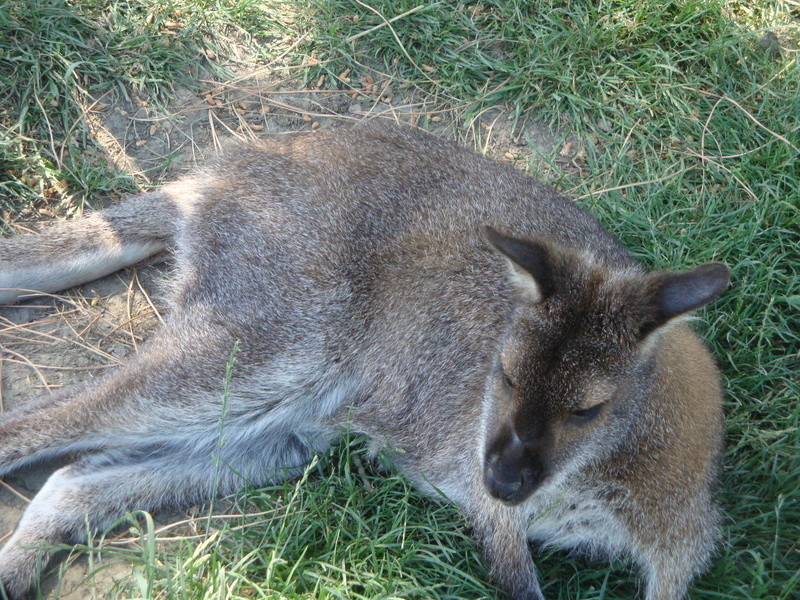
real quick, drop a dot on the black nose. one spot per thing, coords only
(512, 473)
(502, 485)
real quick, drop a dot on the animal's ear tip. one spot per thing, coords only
(716, 274)
(719, 270)
(506, 243)
(680, 293)
(491, 234)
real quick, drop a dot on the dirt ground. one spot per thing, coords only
(51, 342)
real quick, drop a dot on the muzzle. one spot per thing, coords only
(512, 469)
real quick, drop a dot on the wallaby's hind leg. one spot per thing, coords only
(103, 488)
(159, 431)
(170, 391)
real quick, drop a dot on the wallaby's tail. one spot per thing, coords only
(69, 253)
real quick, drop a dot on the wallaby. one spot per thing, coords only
(489, 334)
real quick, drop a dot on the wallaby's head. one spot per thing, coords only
(572, 373)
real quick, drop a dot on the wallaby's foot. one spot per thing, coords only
(102, 493)
(18, 584)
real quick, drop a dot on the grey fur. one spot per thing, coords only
(355, 269)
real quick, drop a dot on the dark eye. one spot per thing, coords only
(507, 381)
(586, 415)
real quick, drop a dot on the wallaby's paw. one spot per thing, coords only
(15, 584)
(20, 562)
(528, 594)
(520, 589)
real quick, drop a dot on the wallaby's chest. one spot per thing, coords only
(578, 516)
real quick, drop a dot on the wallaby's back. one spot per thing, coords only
(371, 191)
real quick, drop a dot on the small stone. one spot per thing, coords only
(770, 44)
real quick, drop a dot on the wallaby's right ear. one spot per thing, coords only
(673, 294)
(530, 262)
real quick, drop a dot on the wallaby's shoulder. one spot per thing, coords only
(675, 442)
(688, 391)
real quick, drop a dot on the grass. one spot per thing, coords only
(60, 60)
(685, 126)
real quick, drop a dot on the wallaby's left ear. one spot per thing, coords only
(531, 264)
(674, 294)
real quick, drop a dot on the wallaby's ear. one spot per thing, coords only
(531, 264)
(674, 294)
